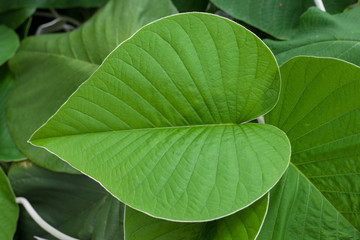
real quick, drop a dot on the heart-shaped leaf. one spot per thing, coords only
(319, 109)
(73, 204)
(48, 68)
(324, 35)
(161, 130)
(8, 150)
(8, 209)
(9, 42)
(244, 225)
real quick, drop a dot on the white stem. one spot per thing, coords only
(261, 119)
(319, 4)
(44, 225)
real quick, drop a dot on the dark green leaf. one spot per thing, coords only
(244, 225)
(324, 35)
(14, 18)
(8, 150)
(16, 4)
(49, 68)
(191, 5)
(73, 204)
(8, 209)
(278, 18)
(9, 42)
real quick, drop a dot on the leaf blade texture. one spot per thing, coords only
(165, 122)
(49, 68)
(319, 111)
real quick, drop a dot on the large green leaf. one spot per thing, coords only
(16, 4)
(74, 204)
(8, 150)
(162, 130)
(8, 209)
(49, 68)
(279, 18)
(319, 109)
(244, 225)
(324, 35)
(9, 42)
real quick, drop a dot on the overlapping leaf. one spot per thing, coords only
(279, 18)
(242, 225)
(319, 109)
(49, 68)
(162, 131)
(8, 208)
(74, 204)
(324, 35)
(9, 42)
(8, 150)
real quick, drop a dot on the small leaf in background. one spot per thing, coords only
(9, 42)
(324, 35)
(74, 204)
(14, 18)
(279, 18)
(7, 5)
(8, 209)
(161, 130)
(190, 5)
(48, 68)
(244, 225)
(319, 109)
(8, 150)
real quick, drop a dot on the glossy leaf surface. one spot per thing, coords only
(279, 18)
(48, 68)
(319, 109)
(74, 204)
(324, 35)
(244, 225)
(161, 129)
(9, 42)
(8, 150)
(8, 208)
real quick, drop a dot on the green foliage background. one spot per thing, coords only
(157, 122)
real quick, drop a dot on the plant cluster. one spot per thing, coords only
(203, 120)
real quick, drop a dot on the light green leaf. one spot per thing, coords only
(324, 35)
(162, 131)
(278, 18)
(9, 42)
(16, 4)
(244, 225)
(14, 18)
(190, 5)
(49, 68)
(8, 209)
(319, 109)
(73, 204)
(8, 150)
